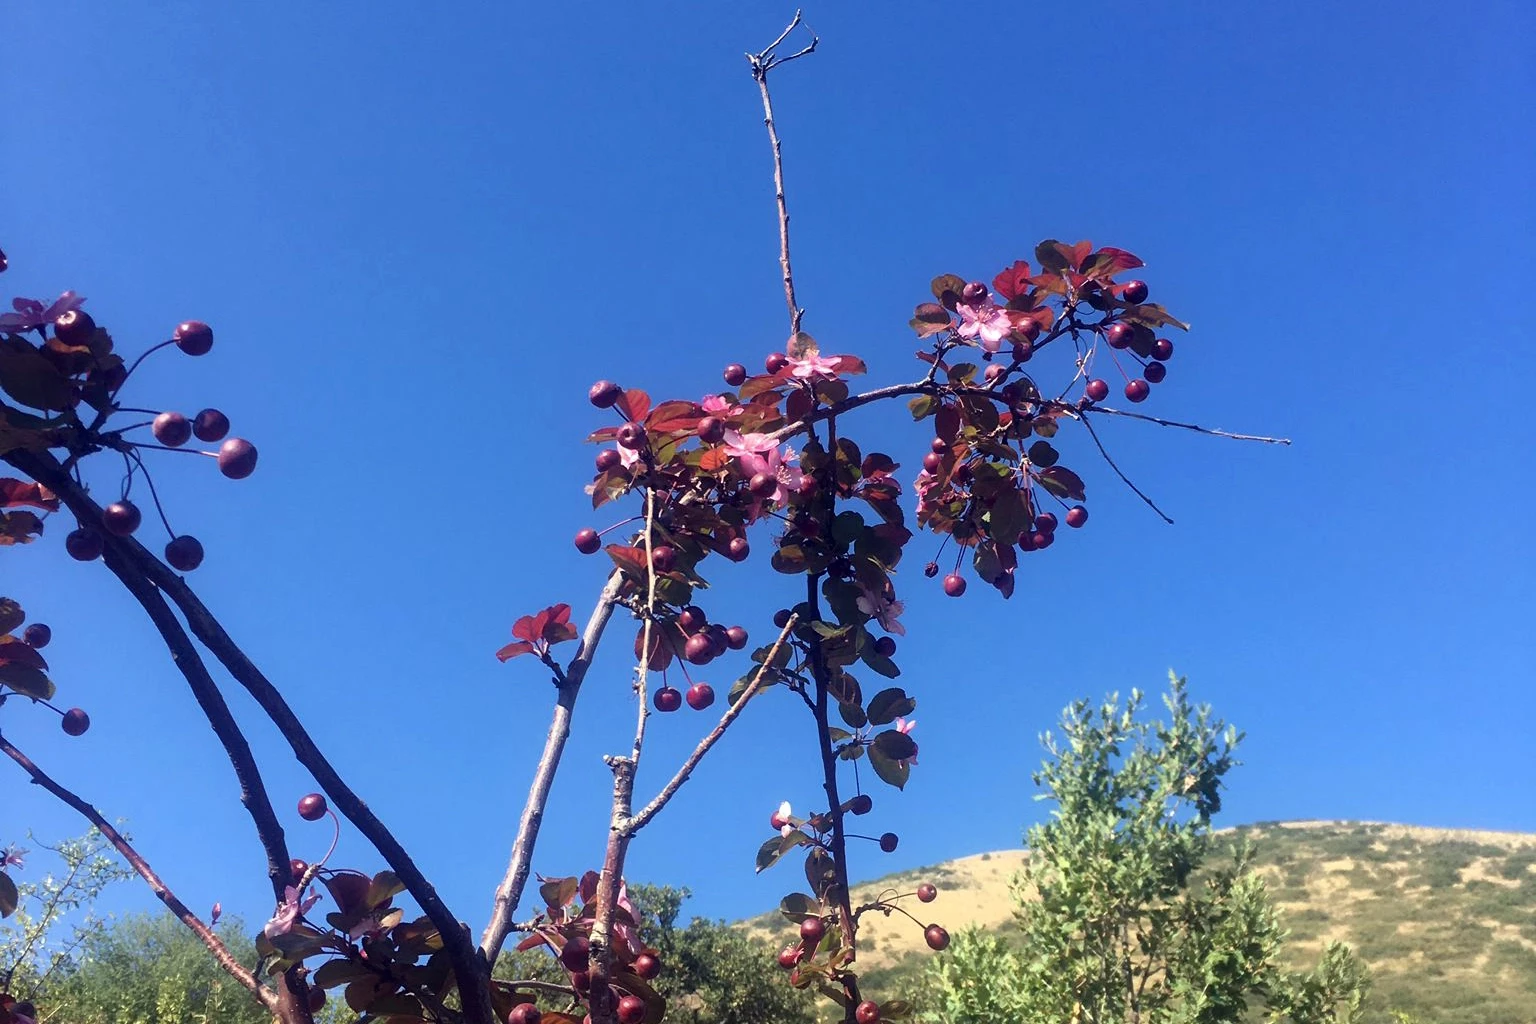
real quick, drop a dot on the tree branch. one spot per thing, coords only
(265, 996)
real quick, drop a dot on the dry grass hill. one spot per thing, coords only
(1445, 919)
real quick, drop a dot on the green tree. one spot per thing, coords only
(1122, 920)
(711, 972)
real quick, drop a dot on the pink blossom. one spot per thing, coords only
(716, 405)
(988, 320)
(905, 726)
(738, 445)
(760, 453)
(218, 911)
(13, 857)
(289, 911)
(816, 367)
(782, 816)
(627, 934)
(627, 456)
(883, 611)
(30, 313)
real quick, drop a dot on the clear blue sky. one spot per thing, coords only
(421, 231)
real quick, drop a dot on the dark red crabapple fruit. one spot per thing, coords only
(781, 617)
(194, 337)
(316, 998)
(1155, 372)
(692, 619)
(184, 553)
(647, 966)
(604, 394)
(1042, 540)
(581, 981)
(789, 956)
(1138, 390)
(1045, 522)
(933, 462)
(1134, 292)
(575, 953)
(735, 375)
(1097, 390)
(296, 868)
(888, 842)
(936, 937)
(927, 893)
(763, 485)
(1162, 350)
(738, 549)
(632, 436)
(1023, 350)
(668, 699)
(885, 646)
(37, 636)
(172, 429)
(312, 807)
(121, 518)
(210, 425)
(736, 638)
(664, 558)
(83, 545)
(812, 929)
(867, 1012)
(608, 458)
(237, 458)
(711, 430)
(1118, 335)
(993, 372)
(525, 1013)
(74, 327)
(700, 696)
(954, 584)
(631, 1010)
(775, 362)
(974, 294)
(699, 650)
(75, 721)
(587, 540)
(1077, 515)
(861, 804)
(939, 445)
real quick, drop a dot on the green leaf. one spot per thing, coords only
(892, 773)
(769, 853)
(9, 897)
(879, 662)
(26, 680)
(797, 906)
(339, 972)
(947, 288)
(922, 406)
(962, 373)
(27, 376)
(11, 615)
(897, 746)
(1009, 516)
(888, 705)
(847, 528)
(853, 714)
(1043, 454)
(385, 884)
(1062, 482)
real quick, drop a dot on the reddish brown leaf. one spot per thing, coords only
(602, 434)
(512, 650)
(799, 404)
(947, 288)
(1153, 315)
(18, 493)
(18, 528)
(673, 416)
(1110, 260)
(630, 559)
(14, 652)
(634, 404)
(929, 319)
(1012, 282)
(1062, 482)
(11, 615)
(27, 376)
(850, 365)
(714, 460)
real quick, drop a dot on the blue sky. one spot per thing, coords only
(421, 232)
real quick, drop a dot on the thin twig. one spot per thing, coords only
(1150, 503)
(640, 820)
(232, 966)
(1187, 426)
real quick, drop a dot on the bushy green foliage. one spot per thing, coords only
(712, 973)
(1121, 919)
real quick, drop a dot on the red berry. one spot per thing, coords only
(172, 429)
(664, 558)
(885, 646)
(1097, 390)
(74, 327)
(647, 966)
(789, 956)
(699, 650)
(194, 337)
(933, 462)
(296, 868)
(632, 436)
(75, 721)
(936, 937)
(237, 458)
(861, 804)
(668, 699)
(711, 430)
(1045, 522)
(576, 953)
(1077, 515)
(993, 372)
(37, 636)
(927, 893)
(700, 696)
(954, 584)
(867, 1012)
(763, 485)
(1042, 540)
(1134, 292)
(812, 929)
(604, 394)
(781, 617)
(581, 981)
(587, 540)
(1162, 349)
(939, 445)
(210, 425)
(974, 294)
(775, 362)
(316, 998)
(83, 545)
(1155, 372)
(692, 619)
(1023, 350)
(1118, 335)
(525, 1013)
(312, 807)
(738, 549)
(184, 553)
(1138, 390)
(121, 518)
(608, 458)
(736, 638)
(888, 842)
(735, 375)
(631, 1010)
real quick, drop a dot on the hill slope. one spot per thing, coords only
(1445, 919)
